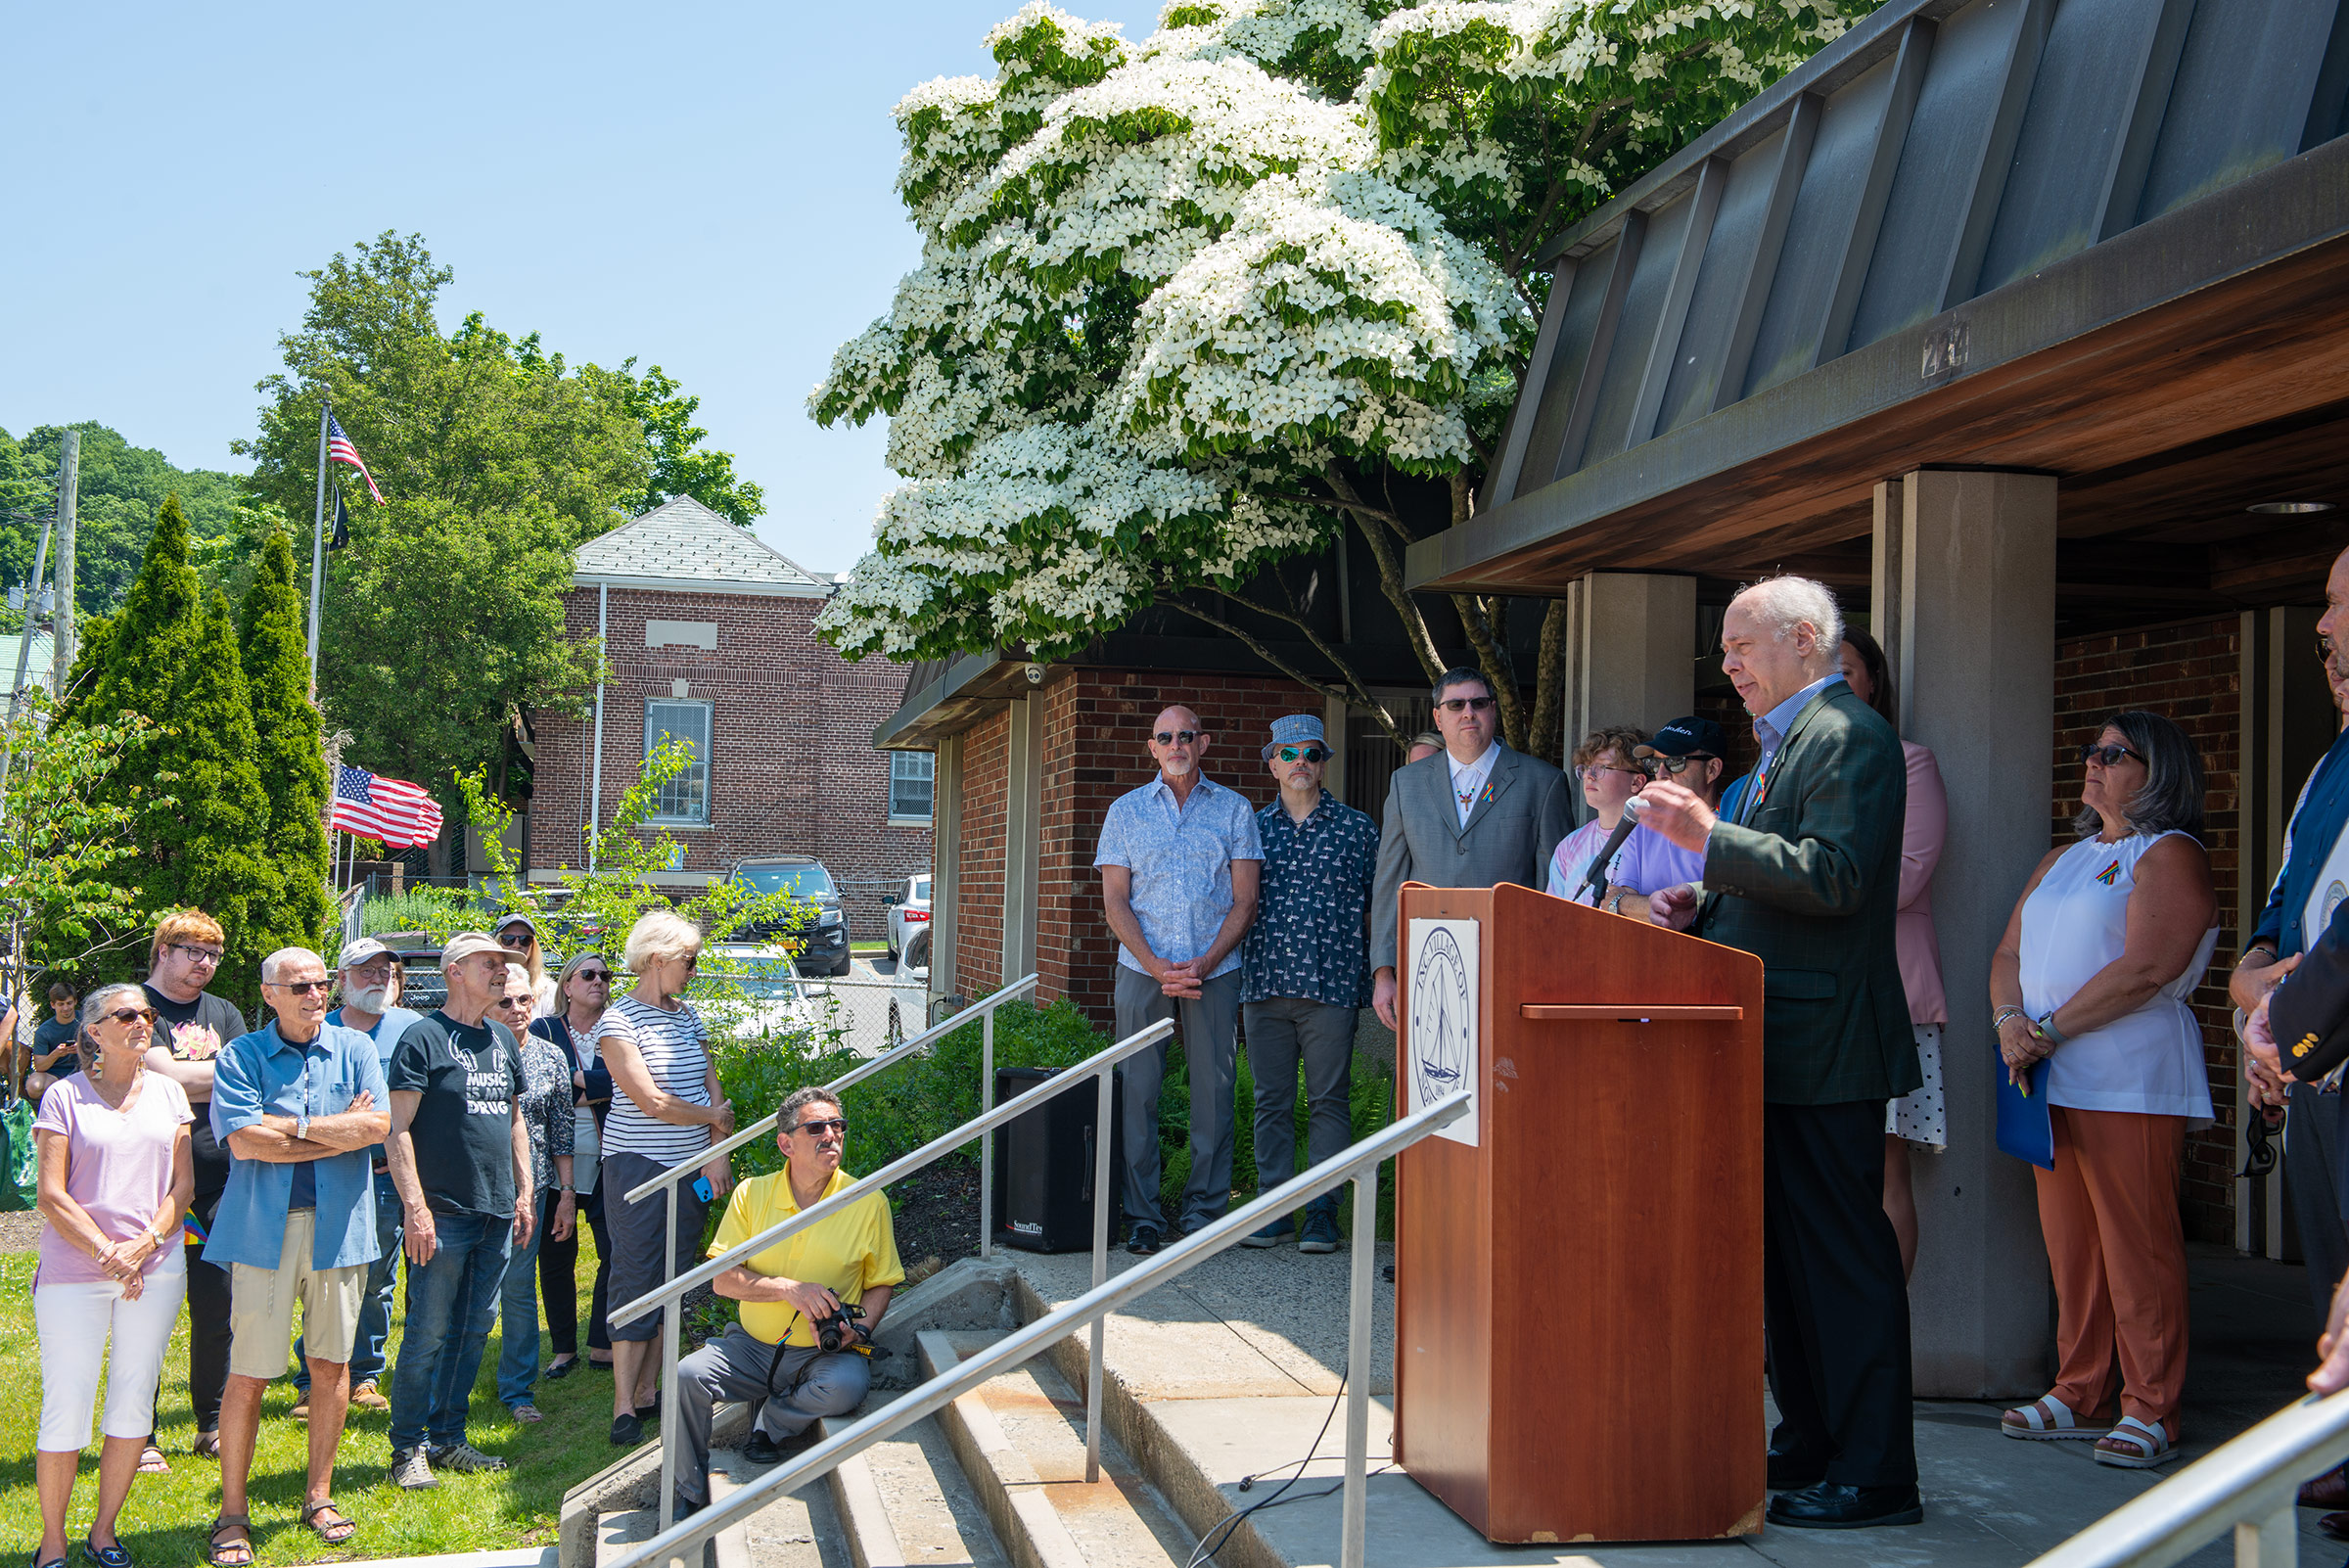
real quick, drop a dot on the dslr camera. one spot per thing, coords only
(833, 1331)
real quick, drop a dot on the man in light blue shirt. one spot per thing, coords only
(297, 1103)
(1179, 860)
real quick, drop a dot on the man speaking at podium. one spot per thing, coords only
(1807, 878)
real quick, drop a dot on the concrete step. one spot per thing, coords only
(788, 1532)
(904, 1503)
(1020, 1439)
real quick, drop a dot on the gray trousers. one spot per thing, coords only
(1209, 1030)
(2311, 1170)
(786, 1397)
(1283, 1032)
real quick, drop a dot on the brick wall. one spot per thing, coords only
(2187, 673)
(979, 906)
(793, 768)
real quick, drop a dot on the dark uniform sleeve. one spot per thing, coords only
(2308, 1013)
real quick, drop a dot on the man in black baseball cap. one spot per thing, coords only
(1690, 751)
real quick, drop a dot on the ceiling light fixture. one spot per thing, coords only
(2290, 508)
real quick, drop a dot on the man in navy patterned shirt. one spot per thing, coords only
(1305, 970)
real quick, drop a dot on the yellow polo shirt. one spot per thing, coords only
(853, 1251)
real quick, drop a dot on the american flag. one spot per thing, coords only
(388, 808)
(340, 450)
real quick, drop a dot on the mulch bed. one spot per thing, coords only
(937, 1218)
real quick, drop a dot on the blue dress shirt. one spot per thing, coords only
(1771, 730)
(263, 1074)
(1181, 859)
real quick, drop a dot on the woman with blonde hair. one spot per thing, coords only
(116, 1174)
(667, 1110)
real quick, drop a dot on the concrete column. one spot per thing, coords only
(1022, 807)
(1631, 648)
(945, 867)
(1333, 729)
(1973, 651)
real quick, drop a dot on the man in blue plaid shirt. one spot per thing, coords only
(1305, 970)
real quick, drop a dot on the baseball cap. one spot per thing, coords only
(1685, 735)
(518, 919)
(360, 952)
(465, 944)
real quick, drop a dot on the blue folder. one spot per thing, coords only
(2024, 1131)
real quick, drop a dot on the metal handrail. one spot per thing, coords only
(1098, 1066)
(985, 1005)
(1359, 1164)
(2246, 1485)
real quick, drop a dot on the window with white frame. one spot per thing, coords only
(684, 797)
(912, 785)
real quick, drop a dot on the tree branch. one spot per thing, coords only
(1263, 651)
(1361, 692)
(1390, 580)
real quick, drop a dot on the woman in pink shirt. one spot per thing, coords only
(116, 1178)
(1918, 1118)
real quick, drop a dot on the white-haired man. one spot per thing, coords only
(1807, 877)
(298, 1103)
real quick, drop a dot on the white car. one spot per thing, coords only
(775, 999)
(908, 913)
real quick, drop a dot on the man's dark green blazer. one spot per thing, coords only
(1810, 885)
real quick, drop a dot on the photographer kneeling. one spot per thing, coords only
(791, 1293)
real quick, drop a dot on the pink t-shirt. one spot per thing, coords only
(117, 1167)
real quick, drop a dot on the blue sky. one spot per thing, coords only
(706, 187)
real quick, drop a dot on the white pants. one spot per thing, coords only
(72, 1320)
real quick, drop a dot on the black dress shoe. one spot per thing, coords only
(1143, 1241)
(1831, 1505)
(1787, 1473)
(762, 1449)
(626, 1431)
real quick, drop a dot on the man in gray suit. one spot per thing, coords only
(1473, 816)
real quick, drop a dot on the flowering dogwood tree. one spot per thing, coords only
(1188, 307)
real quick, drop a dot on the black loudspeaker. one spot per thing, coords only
(1044, 1163)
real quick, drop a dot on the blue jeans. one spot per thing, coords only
(518, 1313)
(375, 1308)
(451, 1303)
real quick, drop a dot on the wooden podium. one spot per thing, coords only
(1578, 1315)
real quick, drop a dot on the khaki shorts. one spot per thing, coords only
(260, 1306)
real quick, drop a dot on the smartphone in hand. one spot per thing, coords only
(701, 1189)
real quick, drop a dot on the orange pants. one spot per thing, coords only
(2109, 1213)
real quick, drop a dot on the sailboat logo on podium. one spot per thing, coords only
(1443, 1020)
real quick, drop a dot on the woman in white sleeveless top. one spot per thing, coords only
(2111, 936)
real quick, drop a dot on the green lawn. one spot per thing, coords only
(166, 1520)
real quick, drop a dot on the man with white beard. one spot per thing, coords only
(371, 978)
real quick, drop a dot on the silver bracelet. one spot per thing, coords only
(1998, 1020)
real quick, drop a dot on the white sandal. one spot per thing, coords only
(2135, 1446)
(2048, 1419)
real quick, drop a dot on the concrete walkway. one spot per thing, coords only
(1235, 1367)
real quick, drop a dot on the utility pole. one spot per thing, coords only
(68, 481)
(318, 544)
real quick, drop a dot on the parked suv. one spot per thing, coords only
(824, 939)
(908, 912)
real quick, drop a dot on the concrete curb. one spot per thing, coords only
(1027, 1526)
(974, 1293)
(631, 1481)
(856, 1498)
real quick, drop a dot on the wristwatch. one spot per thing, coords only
(302, 1128)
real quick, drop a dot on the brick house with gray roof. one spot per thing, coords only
(710, 636)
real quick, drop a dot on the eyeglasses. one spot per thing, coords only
(1590, 771)
(1177, 737)
(1676, 765)
(593, 977)
(1463, 705)
(516, 938)
(301, 987)
(692, 960)
(1301, 753)
(836, 1124)
(2106, 755)
(124, 1015)
(203, 955)
(2259, 1152)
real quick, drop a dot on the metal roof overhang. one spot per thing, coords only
(2157, 369)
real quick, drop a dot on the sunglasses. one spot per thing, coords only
(1301, 753)
(203, 955)
(1465, 705)
(2259, 1149)
(1177, 737)
(1679, 764)
(2106, 755)
(301, 987)
(836, 1124)
(515, 938)
(124, 1015)
(593, 977)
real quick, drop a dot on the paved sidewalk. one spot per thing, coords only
(1239, 1363)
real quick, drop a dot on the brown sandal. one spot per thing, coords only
(220, 1552)
(206, 1444)
(153, 1462)
(335, 1531)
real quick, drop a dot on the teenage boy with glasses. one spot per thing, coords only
(1304, 972)
(191, 1024)
(1178, 860)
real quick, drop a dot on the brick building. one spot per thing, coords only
(709, 637)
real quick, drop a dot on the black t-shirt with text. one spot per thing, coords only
(463, 1130)
(196, 1031)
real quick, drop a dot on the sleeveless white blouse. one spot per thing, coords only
(2075, 922)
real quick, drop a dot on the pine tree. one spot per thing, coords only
(172, 656)
(292, 768)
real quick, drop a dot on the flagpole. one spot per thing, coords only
(318, 542)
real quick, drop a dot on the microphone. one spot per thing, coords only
(1596, 881)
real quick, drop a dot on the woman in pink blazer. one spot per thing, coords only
(1918, 1118)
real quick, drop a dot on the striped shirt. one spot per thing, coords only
(674, 1048)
